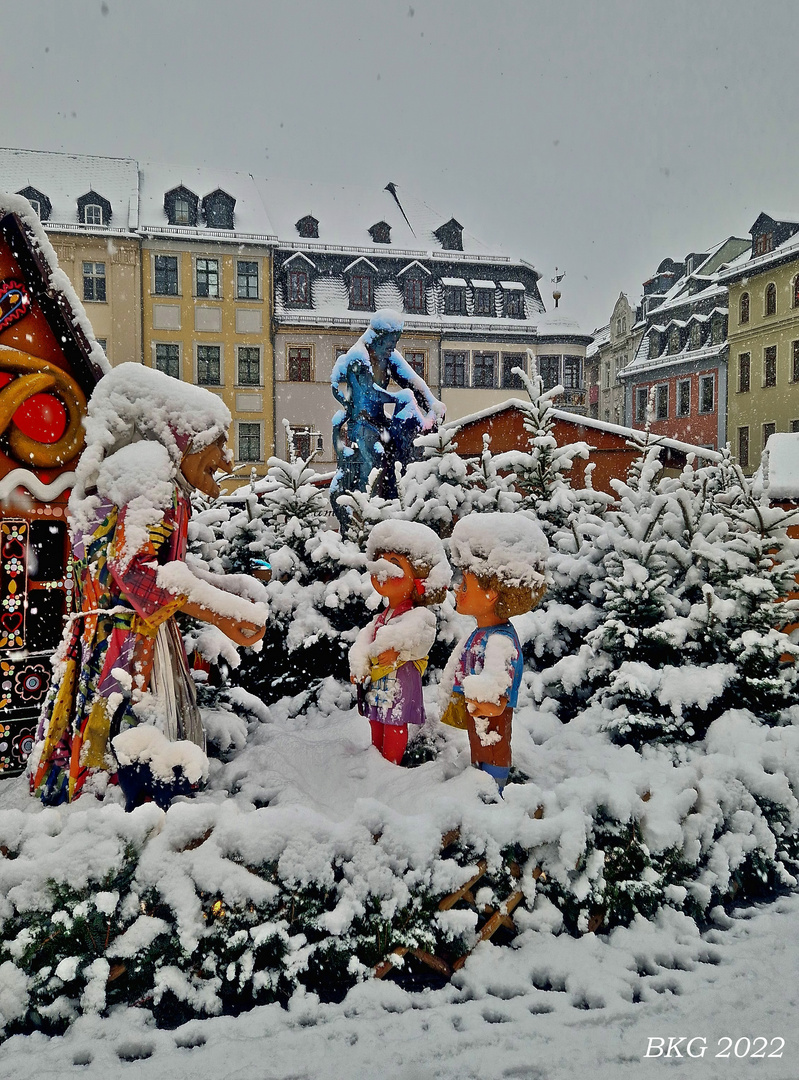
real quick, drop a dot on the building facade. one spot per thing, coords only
(763, 339)
(89, 207)
(678, 378)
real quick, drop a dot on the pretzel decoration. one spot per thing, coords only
(32, 376)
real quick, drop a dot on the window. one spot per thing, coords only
(571, 372)
(249, 365)
(483, 302)
(743, 447)
(455, 369)
(717, 330)
(167, 359)
(94, 281)
(662, 402)
(762, 244)
(695, 336)
(209, 368)
(768, 431)
(744, 373)
(484, 370)
(182, 211)
(92, 214)
(103, 343)
(641, 403)
(166, 275)
(361, 291)
(298, 287)
(454, 300)
(416, 360)
(795, 362)
(707, 395)
(771, 299)
(743, 316)
(606, 372)
(414, 295)
(299, 365)
(770, 366)
(514, 304)
(684, 397)
(246, 280)
(249, 442)
(796, 291)
(674, 340)
(549, 367)
(306, 442)
(207, 277)
(794, 426)
(510, 381)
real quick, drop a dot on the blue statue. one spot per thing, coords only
(376, 427)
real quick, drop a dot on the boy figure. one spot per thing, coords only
(502, 558)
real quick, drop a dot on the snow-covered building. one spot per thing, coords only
(763, 285)
(89, 206)
(206, 262)
(681, 361)
(343, 252)
(614, 347)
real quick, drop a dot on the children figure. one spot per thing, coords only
(389, 656)
(502, 558)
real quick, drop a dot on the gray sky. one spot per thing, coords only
(596, 136)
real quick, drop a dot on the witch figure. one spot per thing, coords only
(150, 441)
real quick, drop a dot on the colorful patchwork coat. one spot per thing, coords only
(108, 648)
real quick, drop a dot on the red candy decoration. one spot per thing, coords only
(42, 417)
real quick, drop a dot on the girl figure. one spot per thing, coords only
(150, 441)
(409, 568)
(502, 559)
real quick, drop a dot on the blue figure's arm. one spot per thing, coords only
(403, 374)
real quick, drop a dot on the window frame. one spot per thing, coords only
(250, 348)
(293, 278)
(97, 280)
(661, 393)
(309, 359)
(92, 206)
(240, 434)
(743, 309)
(550, 361)
(514, 298)
(246, 275)
(572, 363)
(484, 303)
(163, 271)
(640, 404)
(747, 367)
(767, 429)
(206, 360)
(703, 382)
(168, 345)
(455, 360)
(480, 362)
(795, 361)
(451, 294)
(770, 300)
(769, 366)
(509, 381)
(208, 273)
(681, 412)
(417, 352)
(417, 283)
(356, 292)
(743, 446)
(304, 431)
(796, 291)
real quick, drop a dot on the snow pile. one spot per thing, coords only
(412, 634)
(778, 474)
(510, 547)
(146, 745)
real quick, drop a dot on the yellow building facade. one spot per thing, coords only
(206, 314)
(763, 335)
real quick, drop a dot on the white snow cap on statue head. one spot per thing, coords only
(510, 547)
(418, 543)
(134, 403)
(384, 321)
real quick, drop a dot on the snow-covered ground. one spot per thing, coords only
(549, 1006)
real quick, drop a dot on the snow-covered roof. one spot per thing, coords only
(249, 216)
(459, 282)
(64, 178)
(744, 265)
(558, 323)
(778, 474)
(584, 421)
(511, 286)
(483, 283)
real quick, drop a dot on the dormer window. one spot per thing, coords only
(450, 235)
(513, 299)
(299, 287)
(454, 296)
(718, 330)
(180, 206)
(40, 203)
(308, 227)
(414, 295)
(93, 209)
(695, 336)
(674, 340)
(762, 244)
(483, 297)
(361, 292)
(381, 233)
(218, 210)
